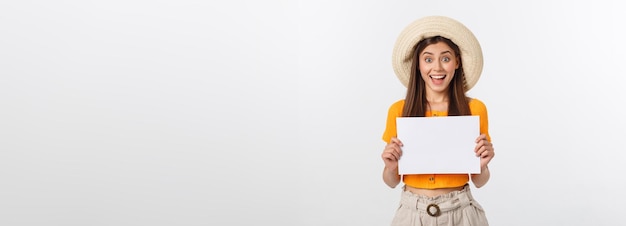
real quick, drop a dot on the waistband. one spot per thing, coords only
(434, 206)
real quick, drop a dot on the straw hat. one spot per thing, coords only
(471, 53)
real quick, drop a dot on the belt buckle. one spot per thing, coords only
(437, 210)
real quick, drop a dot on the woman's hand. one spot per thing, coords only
(484, 150)
(392, 153)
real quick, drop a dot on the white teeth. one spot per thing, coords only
(437, 76)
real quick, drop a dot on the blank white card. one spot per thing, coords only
(438, 145)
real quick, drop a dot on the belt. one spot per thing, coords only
(435, 206)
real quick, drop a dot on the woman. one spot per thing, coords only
(438, 59)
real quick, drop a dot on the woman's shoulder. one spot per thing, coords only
(473, 100)
(477, 105)
(397, 106)
(398, 103)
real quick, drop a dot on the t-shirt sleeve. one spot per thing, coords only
(478, 108)
(395, 110)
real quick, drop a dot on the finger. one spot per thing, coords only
(395, 147)
(388, 156)
(483, 143)
(396, 141)
(479, 146)
(397, 152)
(396, 156)
(481, 154)
(390, 153)
(481, 137)
(481, 151)
(487, 153)
(390, 147)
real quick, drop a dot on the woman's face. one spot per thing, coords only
(437, 64)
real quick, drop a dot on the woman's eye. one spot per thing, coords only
(428, 60)
(446, 59)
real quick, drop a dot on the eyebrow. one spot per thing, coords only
(447, 51)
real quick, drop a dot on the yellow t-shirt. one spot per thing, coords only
(432, 181)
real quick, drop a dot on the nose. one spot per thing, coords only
(438, 65)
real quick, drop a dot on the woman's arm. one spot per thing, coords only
(391, 177)
(481, 179)
(484, 150)
(390, 156)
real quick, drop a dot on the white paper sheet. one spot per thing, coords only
(438, 145)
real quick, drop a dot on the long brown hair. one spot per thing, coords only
(416, 104)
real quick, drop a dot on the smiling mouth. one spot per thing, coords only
(439, 77)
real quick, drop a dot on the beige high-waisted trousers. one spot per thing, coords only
(457, 208)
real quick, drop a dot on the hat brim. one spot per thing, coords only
(430, 26)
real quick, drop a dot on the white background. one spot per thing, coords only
(185, 112)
